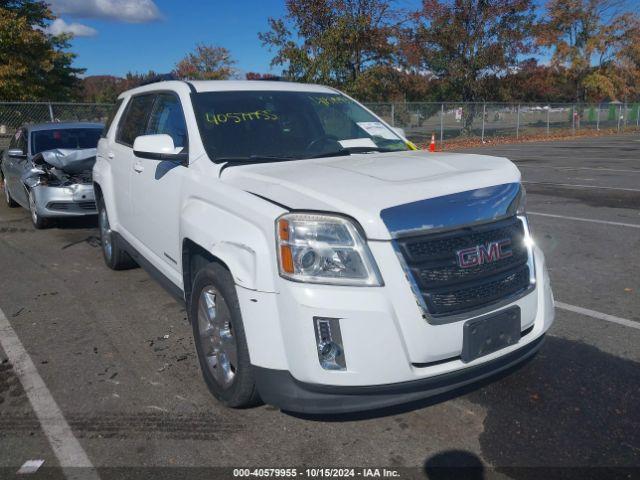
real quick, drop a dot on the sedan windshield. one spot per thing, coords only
(282, 125)
(65, 138)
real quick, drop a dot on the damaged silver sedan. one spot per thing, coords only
(47, 170)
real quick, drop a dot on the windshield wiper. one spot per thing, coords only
(350, 150)
(251, 159)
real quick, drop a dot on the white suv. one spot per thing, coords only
(326, 265)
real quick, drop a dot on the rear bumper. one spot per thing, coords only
(280, 388)
(72, 201)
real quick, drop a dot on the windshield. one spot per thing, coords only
(68, 138)
(246, 125)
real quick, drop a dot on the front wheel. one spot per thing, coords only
(115, 257)
(219, 337)
(38, 221)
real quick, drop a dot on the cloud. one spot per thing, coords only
(59, 26)
(131, 11)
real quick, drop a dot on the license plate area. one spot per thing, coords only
(485, 335)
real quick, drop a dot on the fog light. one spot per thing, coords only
(329, 343)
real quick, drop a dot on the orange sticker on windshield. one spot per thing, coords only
(239, 117)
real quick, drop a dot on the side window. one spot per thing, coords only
(112, 114)
(167, 118)
(134, 120)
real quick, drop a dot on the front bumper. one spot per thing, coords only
(70, 201)
(280, 388)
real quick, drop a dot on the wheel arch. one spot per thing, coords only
(194, 258)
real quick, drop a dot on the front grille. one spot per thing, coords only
(59, 206)
(446, 287)
(71, 206)
(87, 205)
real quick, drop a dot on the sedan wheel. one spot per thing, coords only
(36, 219)
(217, 340)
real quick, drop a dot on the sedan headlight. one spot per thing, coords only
(329, 249)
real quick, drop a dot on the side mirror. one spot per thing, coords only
(16, 153)
(399, 131)
(159, 147)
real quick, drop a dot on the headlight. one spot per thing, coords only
(317, 248)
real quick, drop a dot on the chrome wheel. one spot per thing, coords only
(216, 337)
(105, 233)
(7, 195)
(32, 208)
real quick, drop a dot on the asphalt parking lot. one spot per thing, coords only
(115, 352)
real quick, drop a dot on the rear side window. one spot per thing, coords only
(110, 118)
(167, 118)
(134, 121)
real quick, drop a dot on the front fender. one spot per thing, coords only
(247, 248)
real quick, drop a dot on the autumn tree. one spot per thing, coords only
(33, 64)
(207, 62)
(587, 37)
(533, 82)
(331, 41)
(260, 76)
(463, 42)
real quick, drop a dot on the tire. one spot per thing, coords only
(222, 352)
(115, 257)
(7, 196)
(38, 221)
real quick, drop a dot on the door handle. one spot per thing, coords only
(111, 155)
(138, 167)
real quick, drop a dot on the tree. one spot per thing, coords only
(208, 62)
(467, 43)
(33, 64)
(533, 82)
(260, 76)
(587, 37)
(331, 41)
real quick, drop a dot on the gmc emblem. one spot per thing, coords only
(485, 253)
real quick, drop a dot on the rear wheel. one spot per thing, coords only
(7, 196)
(38, 221)
(219, 337)
(115, 257)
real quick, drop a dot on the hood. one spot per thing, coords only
(69, 161)
(362, 185)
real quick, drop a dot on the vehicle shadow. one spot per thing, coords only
(572, 405)
(76, 223)
(454, 464)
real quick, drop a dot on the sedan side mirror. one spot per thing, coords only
(16, 153)
(159, 147)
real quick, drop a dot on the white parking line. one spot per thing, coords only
(590, 220)
(571, 185)
(598, 315)
(64, 444)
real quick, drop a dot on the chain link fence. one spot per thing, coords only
(15, 114)
(448, 121)
(451, 121)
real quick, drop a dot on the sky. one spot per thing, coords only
(113, 37)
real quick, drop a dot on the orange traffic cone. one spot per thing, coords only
(432, 145)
